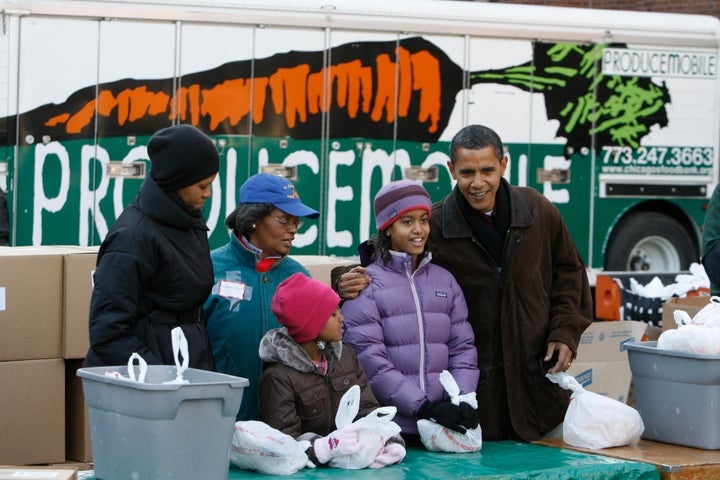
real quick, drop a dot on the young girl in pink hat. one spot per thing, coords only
(307, 370)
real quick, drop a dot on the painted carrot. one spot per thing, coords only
(359, 89)
(382, 90)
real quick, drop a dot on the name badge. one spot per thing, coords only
(228, 289)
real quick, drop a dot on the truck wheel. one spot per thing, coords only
(650, 242)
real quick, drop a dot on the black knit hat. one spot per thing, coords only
(181, 156)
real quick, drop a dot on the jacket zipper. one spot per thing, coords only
(421, 330)
(328, 404)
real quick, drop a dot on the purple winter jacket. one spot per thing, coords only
(406, 327)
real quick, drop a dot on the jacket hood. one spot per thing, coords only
(366, 250)
(157, 204)
(277, 346)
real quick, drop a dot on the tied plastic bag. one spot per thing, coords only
(373, 430)
(700, 334)
(437, 438)
(595, 421)
(691, 338)
(708, 316)
(257, 446)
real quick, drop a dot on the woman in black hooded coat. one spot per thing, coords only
(153, 268)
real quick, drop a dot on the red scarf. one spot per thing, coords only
(264, 265)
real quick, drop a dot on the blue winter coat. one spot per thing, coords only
(406, 327)
(236, 325)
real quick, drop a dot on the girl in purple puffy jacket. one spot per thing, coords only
(410, 323)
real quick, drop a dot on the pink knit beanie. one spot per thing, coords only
(303, 305)
(397, 198)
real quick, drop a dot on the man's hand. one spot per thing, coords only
(564, 356)
(352, 282)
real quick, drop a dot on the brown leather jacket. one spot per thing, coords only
(539, 294)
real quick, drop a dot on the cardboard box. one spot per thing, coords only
(611, 379)
(692, 305)
(78, 445)
(79, 266)
(30, 303)
(33, 412)
(602, 363)
(320, 266)
(605, 341)
(37, 473)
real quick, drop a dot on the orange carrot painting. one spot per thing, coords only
(402, 90)
(365, 89)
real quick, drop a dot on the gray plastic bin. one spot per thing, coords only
(152, 431)
(677, 395)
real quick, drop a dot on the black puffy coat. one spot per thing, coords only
(153, 273)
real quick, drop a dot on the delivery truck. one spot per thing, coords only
(613, 115)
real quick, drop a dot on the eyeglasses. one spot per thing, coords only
(287, 223)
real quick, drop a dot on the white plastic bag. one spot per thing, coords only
(142, 370)
(709, 315)
(257, 446)
(595, 421)
(438, 438)
(691, 338)
(373, 430)
(700, 334)
(180, 354)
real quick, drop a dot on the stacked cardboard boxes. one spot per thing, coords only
(44, 300)
(31, 366)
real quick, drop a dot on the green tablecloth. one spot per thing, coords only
(496, 461)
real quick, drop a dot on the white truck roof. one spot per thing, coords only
(411, 16)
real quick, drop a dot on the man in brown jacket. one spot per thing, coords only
(525, 284)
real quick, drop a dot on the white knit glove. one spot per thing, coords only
(340, 442)
(392, 453)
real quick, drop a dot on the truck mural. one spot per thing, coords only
(285, 96)
(599, 132)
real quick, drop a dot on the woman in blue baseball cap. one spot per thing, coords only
(248, 269)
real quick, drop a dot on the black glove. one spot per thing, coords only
(444, 413)
(469, 416)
